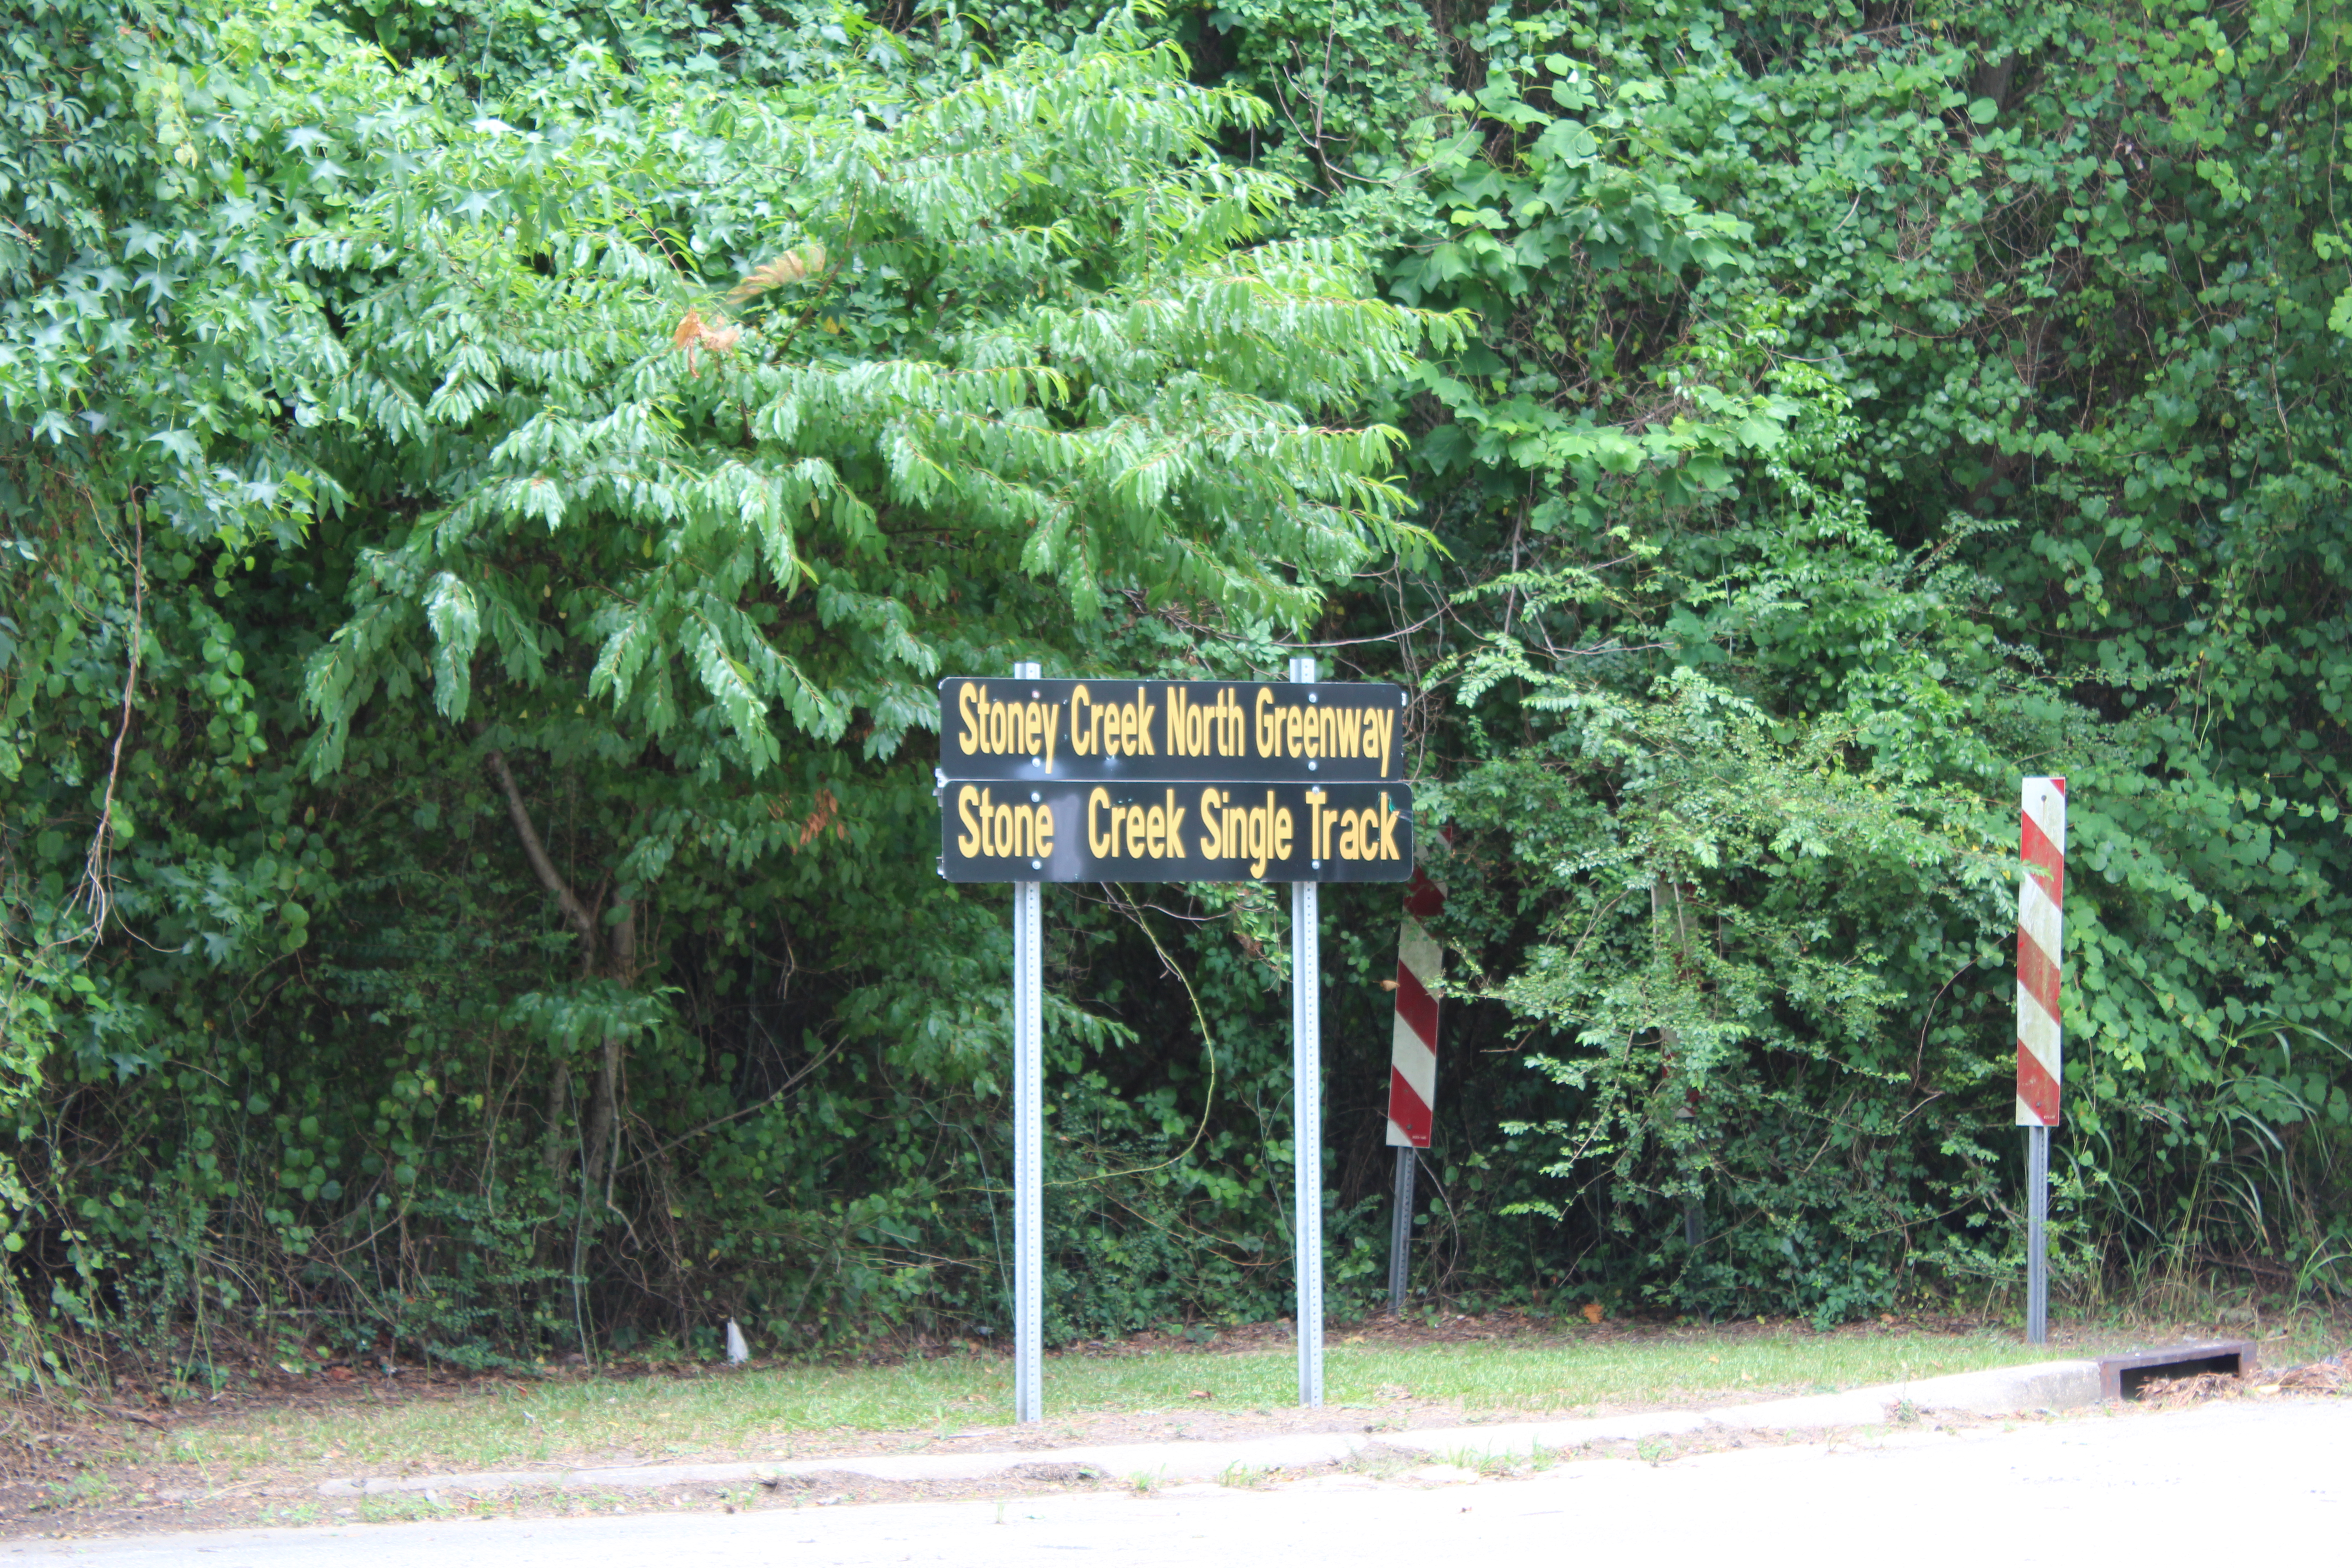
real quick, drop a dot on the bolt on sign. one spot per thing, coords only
(1111, 781)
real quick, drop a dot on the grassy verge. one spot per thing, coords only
(786, 1412)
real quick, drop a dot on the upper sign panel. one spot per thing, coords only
(1086, 731)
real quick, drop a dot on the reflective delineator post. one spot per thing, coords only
(1412, 1066)
(1028, 1141)
(1306, 1118)
(2041, 925)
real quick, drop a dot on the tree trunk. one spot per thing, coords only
(612, 953)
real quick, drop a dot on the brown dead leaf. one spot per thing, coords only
(2333, 1375)
(827, 809)
(793, 266)
(2173, 1391)
(693, 332)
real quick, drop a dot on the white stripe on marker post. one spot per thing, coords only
(2041, 901)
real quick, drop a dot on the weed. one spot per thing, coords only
(90, 1488)
(400, 1507)
(1382, 1464)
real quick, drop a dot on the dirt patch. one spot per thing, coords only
(294, 1501)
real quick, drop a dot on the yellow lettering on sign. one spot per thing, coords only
(1101, 846)
(1143, 714)
(968, 845)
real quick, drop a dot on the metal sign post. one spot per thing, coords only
(2040, 906)
(1028, 1143)
(2037, 1238)
(1306, 1118)
(1400, 1232)
(1170, 781)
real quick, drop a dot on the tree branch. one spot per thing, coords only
(574, 912)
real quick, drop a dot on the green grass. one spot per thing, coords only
(791, 1412)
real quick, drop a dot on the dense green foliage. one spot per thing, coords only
(487, 488)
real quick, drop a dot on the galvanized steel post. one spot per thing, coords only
(1028, 1143)
(1400, 1232)
(2037, 1240)
(1306, 1118)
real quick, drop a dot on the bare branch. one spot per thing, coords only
(574, 912)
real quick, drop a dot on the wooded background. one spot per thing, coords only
(486, 488)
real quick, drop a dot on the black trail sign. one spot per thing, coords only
(1166, 831)
(1034, 731)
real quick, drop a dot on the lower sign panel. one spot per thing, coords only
(1010, 832)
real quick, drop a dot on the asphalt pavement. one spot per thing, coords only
(2236, 1480)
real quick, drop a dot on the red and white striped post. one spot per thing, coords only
(2041, 920)
(1413, 1065)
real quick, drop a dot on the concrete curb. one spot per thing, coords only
(2044, 1385)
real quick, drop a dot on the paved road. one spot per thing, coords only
(2220, 1483)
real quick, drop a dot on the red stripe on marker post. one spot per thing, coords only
(1407, 1114)
(2041, 892)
